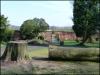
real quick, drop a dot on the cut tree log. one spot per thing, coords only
(73, 53)
(15, 51)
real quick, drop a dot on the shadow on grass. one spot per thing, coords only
(41, 58)
(76, 45)
(72, 60)
(64, 60)
(43, 45)
(80, 46)
(36, 43)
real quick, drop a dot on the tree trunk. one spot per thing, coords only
(85, 37)
(15, 51)
(90, 39)
(83, 41)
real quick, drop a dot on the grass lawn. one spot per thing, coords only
(80, 68)
(54, 67)
(70, 67)
(43, 52)
(73, 43)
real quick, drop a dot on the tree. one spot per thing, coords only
(98, 16)
(85, 19)
(8, 34)
(3, 25)
(31, 28)
(43, 25)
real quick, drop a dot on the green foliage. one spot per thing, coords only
(3, 25)
(72, 43)
(41, 37)
(8, 34)
(31, 28)
(85, 18)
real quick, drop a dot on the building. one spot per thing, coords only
(62, 35)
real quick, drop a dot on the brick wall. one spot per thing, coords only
(62, 35)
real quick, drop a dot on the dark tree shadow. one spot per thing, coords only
(35, 43)
(76, 45)
(41, 58)
(63, 60)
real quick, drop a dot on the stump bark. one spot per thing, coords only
(15, 51)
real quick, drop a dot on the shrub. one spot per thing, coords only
(8, 34)
(41, 37)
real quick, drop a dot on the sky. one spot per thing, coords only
(55, 13)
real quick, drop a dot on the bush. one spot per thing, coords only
(8, 34)
(73, 53)
(41, 37)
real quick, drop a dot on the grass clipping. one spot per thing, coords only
(73, 53)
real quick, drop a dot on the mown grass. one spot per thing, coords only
(38, 53)
(71, 67)
(16, 70)
(73, 43)
(77, 68)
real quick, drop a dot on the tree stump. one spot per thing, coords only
(15, 51)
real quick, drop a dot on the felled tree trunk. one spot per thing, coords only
(15, 51)
(71, 53)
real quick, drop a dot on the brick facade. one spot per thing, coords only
(62, 35)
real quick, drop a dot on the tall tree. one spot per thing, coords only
(85, 18)
(8, 34)
(31, 28)
(3, 25)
